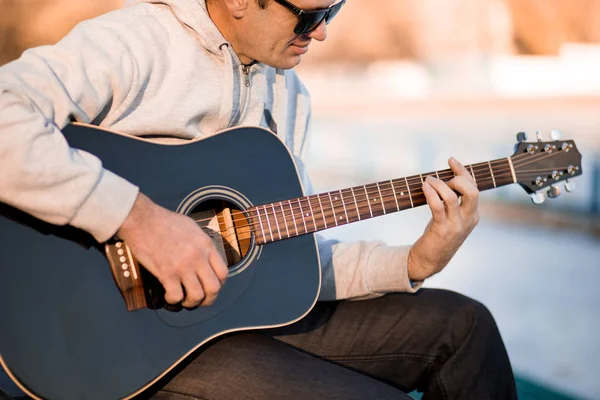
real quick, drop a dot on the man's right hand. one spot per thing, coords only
(176, 251)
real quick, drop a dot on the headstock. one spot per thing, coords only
(540, 166)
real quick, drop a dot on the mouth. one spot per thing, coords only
(299, 50)
(301, 44)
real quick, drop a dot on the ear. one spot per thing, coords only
(237, 8)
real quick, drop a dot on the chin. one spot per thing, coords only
(289, 62)
(284, 61)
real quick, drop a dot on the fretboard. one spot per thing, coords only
(288, 218)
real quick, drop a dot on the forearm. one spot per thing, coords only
(39, 94)
(44, 177)
(361, 270)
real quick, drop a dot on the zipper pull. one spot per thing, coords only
(246, 71)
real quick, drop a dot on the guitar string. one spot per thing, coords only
(352, 215)
(412, 180)
(328, 214)
(310, 199)
(274, 236)
(358, 211)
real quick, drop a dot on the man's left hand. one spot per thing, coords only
(453, 219)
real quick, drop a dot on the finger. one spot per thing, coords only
(434, 201)
(173, 291)
(218, 265)
(448, 196)
(469, 193)
(194, 293)
(460, 170)
(210, 283)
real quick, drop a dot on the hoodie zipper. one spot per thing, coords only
(245, 89)
(246, 72)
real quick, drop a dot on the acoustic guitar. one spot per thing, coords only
(84, 320)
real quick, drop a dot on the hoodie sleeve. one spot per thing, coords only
(362, 269)
(86, 75)
(350, 270)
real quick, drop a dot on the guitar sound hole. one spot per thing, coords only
(227, 226)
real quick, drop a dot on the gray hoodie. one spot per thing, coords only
(154, 68)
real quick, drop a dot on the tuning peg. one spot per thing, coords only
(538, 197)
(554, 192)
(556, 135)
(570, 186)
(538, 135)
(521, 137)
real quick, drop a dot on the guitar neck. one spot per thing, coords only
(294, 217)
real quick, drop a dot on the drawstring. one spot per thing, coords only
(228, 88)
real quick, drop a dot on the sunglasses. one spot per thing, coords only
(311, 19)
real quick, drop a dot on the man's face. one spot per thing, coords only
(268, 34)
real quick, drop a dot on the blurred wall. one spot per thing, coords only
(365, 30)
(368, 30)
(30, 23)
(541, 26)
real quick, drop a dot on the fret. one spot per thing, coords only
(302, 214)
(404, 194)
(262, 229)
(322, 212)
(409, 194)
(417, 194)
(512, 169)
(388, 196)
(368, 202)
(312, 214)
(492, 172)
(349, 200)
(422, 181)
(276, 220)
(381, 198)
(344, 204)
(333, 209)
(395, 195)
(375, 201)
(355, 204)
(480, 172)
(284, 219)
(293, 217)
(473, 174)
(504, 172)
(269, 223)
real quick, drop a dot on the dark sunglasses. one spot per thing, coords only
(311, 19)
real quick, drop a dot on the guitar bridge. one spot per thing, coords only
(131, 279)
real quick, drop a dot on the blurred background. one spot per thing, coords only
(400, 86)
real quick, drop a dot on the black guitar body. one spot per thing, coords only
(65, 332)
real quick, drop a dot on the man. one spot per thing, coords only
(188, 69)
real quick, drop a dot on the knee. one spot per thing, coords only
(469, 317)
(477, 311)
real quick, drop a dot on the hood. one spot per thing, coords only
(194, 15)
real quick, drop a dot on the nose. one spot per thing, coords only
(320, 32)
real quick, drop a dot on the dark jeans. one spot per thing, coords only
(438, 342)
